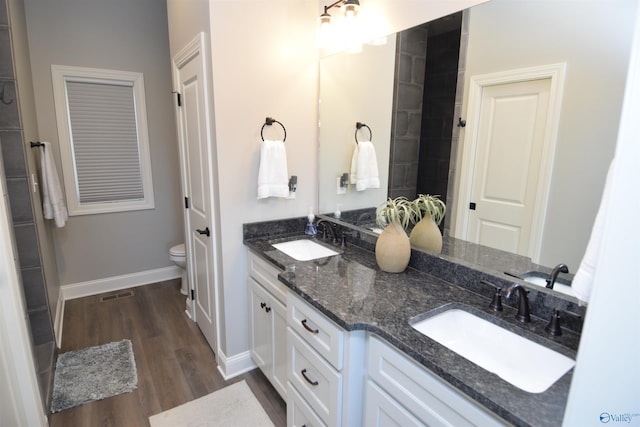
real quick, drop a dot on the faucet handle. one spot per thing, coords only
(553, 328)
(496, 302)
(343, 237)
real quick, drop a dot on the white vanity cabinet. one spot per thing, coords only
(401, 392)
(325, 369)
(268, 322)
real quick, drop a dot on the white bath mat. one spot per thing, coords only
(235, 405)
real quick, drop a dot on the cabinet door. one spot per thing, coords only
(260, 331)
(381, 410)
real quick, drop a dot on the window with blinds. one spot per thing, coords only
(103, 140)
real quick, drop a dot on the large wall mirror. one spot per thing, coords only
(591, 39)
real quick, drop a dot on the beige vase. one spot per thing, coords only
(426, 235)
(393, 249)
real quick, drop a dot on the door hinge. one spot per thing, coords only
(472, 206)
(186, 203)
(179, 97)
(193, 294)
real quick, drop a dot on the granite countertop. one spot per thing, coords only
(353, 292)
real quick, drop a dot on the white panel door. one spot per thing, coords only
(200, 233)
(508, 161)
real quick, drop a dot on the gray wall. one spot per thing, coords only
(122, 35)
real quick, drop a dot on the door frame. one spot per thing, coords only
(477, 84)
(197, 46)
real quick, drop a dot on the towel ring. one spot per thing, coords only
(268, 122)
(362, 125)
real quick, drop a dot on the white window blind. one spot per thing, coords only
(103, 143)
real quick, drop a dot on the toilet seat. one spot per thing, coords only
(177, 250)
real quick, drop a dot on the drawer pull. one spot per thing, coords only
(262, 305)
(313, 383)
(304, 323)
(267, 309)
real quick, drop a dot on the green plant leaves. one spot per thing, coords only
(404, 211)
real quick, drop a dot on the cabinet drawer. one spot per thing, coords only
(317, 382)
(431, 400)
(323, 335)
(299, 413)
(267, 275)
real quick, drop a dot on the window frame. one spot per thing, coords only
(61, 75)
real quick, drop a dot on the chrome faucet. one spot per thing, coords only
(551, 280)
(523, 306)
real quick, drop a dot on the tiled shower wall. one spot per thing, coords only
(13, 149)
(430, 66)
(411, 55)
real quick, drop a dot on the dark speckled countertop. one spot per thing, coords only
(353, 292)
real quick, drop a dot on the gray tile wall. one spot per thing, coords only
(424, 145)
(13, 149)
(405, 131)
(438, 108)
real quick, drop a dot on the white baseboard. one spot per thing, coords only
(230, 367)
(58, 319)
(109, 284)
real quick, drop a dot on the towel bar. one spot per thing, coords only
(37, 144)
(268, 122)
(362, 125)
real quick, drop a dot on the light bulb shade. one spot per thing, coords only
(351, 8)
(325, 19)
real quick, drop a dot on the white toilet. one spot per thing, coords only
(178, 255)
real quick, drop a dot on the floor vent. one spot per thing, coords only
(117, 295)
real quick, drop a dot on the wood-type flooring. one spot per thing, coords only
(174, 362)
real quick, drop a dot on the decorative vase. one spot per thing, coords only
(426, 235)
(393, 249)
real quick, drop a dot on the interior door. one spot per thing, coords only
(195, 142)
(508, 162)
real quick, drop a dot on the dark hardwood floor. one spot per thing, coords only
(174, 362)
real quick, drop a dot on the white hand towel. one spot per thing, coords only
(273, 178)
(353, 178)
(52, 198)
(583, 280)
(366, 167)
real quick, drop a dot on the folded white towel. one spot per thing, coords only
(364, 166)
(273, 178)
(583, 280)
(52, 198)
(353, 177)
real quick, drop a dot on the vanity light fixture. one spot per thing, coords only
(351, 8)
(342, 32)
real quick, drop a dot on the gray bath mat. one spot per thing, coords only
(93, 373)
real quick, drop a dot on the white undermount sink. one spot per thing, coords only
(517, 360)
(304, 250)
